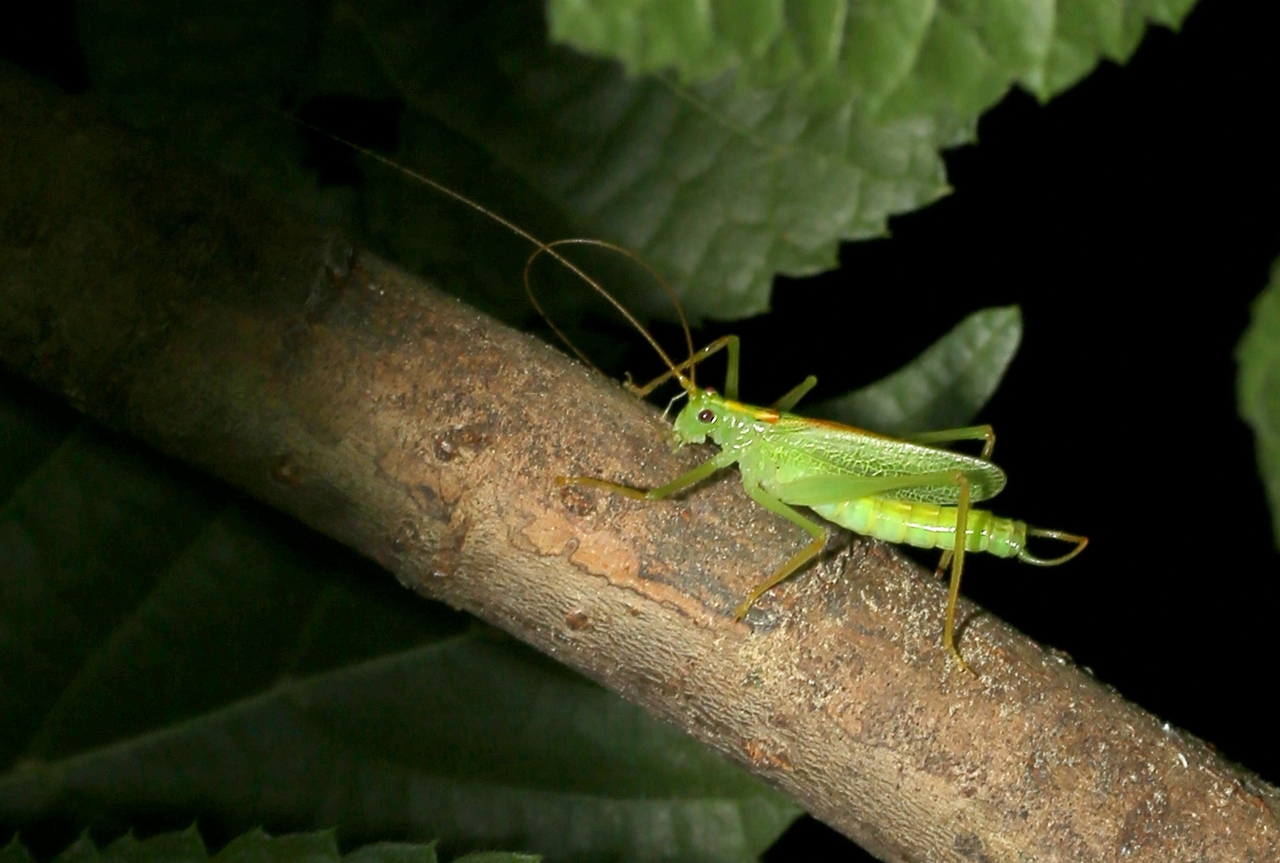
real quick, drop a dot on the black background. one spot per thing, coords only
(1134, 219)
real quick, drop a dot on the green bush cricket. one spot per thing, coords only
(899, 490)
(902, 491)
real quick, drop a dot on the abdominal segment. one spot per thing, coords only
(926, 525)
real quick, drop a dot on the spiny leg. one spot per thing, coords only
(957, 567)
(690, 477)
(983, 433)
(797, 560)
(813, 491)
(731, 375)
(943, 563)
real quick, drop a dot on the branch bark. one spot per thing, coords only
(185, 310)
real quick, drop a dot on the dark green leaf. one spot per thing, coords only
(393, 852)
(874, 49)
(811, 122)
(171, 649)
(1258, 388)
(178, 847)
(31, 429)
(258, 847)
(82, 538)
(944, 387)
(15, 853)
(255, 846)
(81, 851)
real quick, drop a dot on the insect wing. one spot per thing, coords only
(817, 490)
(828, 449)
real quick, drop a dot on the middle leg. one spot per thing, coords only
(796, 561)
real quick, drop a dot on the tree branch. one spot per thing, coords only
(210, 322)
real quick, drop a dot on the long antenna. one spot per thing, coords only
(688, 383)
(548, 248)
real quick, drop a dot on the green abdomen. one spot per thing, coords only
(926, 525)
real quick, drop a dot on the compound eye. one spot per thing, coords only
(706, 415)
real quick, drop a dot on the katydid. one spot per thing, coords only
(903, 491)
(899, 490)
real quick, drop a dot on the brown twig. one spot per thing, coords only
(220, 328)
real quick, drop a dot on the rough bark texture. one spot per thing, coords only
(215, 325)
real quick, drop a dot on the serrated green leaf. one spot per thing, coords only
(498, 857)
(255, 846)
(394, 852)
(808, 123)
(472, 739)
(944, 387)
(81, 851)
(170, 649)
(1258, 388)
(870, 48)
(184, 846)
(14, 852)
(718, 188)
